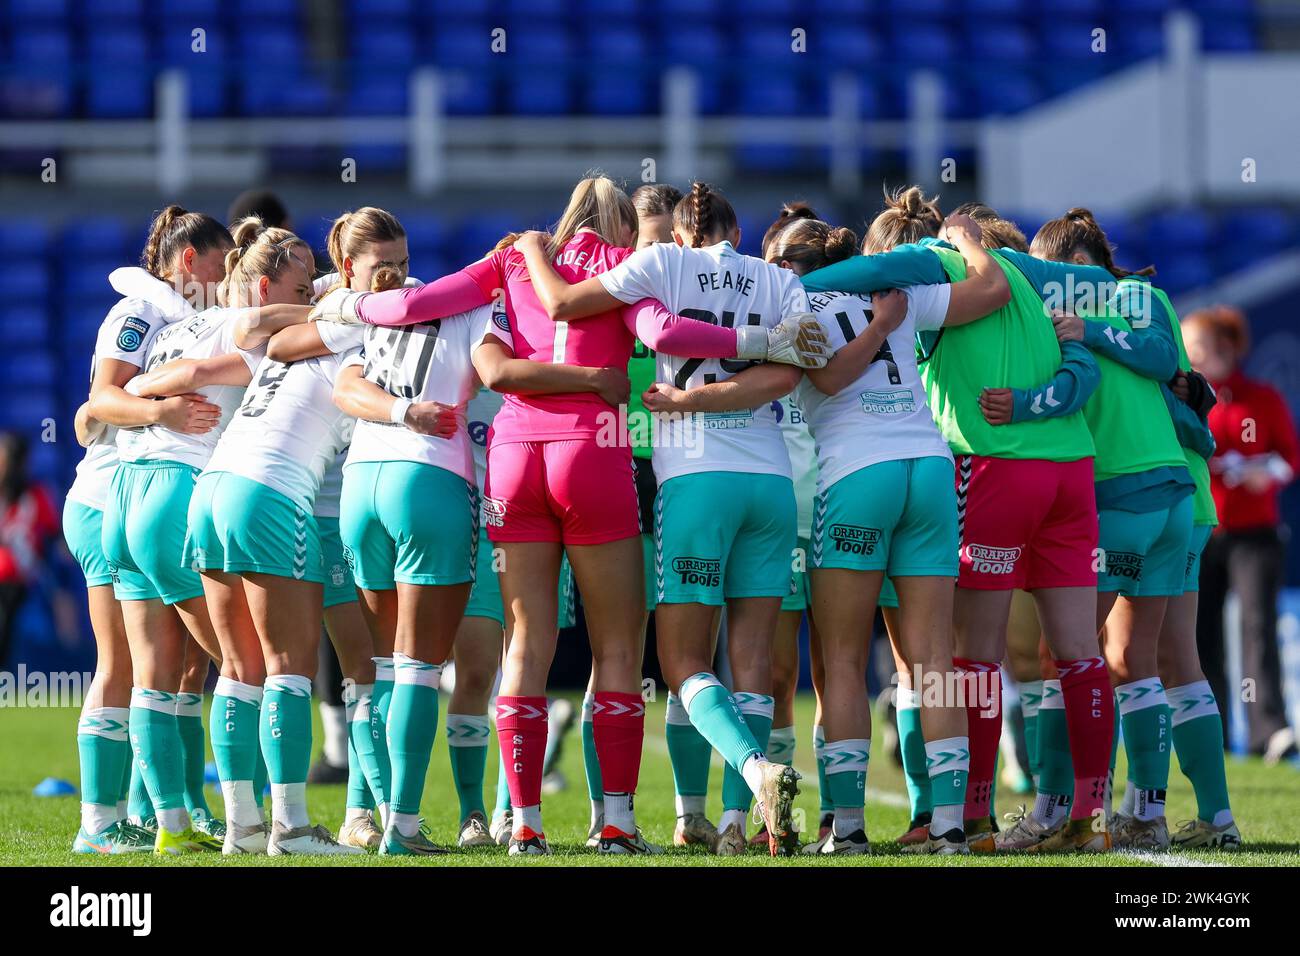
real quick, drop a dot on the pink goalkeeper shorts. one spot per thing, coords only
(574, 491)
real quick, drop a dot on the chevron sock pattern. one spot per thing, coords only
(1144, 714)
(618, 724)
(846, 775)
(780, 745)
(189, 723)
(359, 796)
(104, 753)
(285, 732)
(912, 743)
(717, 718)
(982, 686)
(467, 745)
(156, 745)
(1031, 699)
(412, 729)
(521, 732)
(233, 723)
(819, 754)
(590, 757)
(756, 710)
(690, 755)
(1090, 717)
(948, 764)
(1198, 741)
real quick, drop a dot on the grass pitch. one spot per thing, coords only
(39, 743)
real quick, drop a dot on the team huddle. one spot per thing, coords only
(1000, 444)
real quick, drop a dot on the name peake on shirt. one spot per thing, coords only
(724, 281)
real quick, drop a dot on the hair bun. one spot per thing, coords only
(1081, 214)
(841, 243)
(797, 210)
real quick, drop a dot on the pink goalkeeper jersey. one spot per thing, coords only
(598, 340)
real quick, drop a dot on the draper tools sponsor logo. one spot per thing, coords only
(855, 540)
(989, 560)
(706, 571)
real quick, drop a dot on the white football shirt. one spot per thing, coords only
(882, 415)
(426, 362)
(715, 284)
(207, 335)
(125, 335)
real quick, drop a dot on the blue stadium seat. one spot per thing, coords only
(1229, 37)
(27, 412)
(271, 46)
(31, 369)
(921, 8)
(379, 93)
(1139, 40)
(107, 237)
(427, 236)
(391, 12)
(847, 47)
(381, 45)
(1005, 92)
(23, 236)
(113, 13)
(25, 281)
(996, 8)
(700, 48)
(463, 43)
(921, 41)
(38, 11)
(441, 11)
(684, 14)
(1248, 235)
(543, 86)
(1183, 272)
(39, 83)
(118, 82)
(477, 234)
(1051, 10)
(614, 11)
(616, 82)
(198, 12)
(750, 10)
(90, 277)
(1068, 40)
(1140, 9)
(527, 12)
(45, 461)
(772, 43)
(609, 91)
(1179, 230)
(209, 80)
(32, 322)
(1001, 42)
(262, 11)
(470, 91)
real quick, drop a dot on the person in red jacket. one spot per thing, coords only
(28, 521)
(1257, 455)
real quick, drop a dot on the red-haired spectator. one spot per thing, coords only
(1257, 455)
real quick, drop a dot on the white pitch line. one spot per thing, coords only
(1163, 859)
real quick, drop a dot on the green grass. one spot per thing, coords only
(38, 831)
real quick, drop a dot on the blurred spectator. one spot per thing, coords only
(28, 521)
(1256, 456)
(262, 203)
